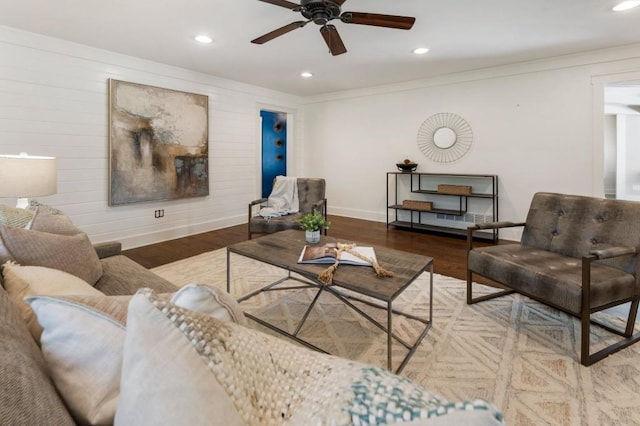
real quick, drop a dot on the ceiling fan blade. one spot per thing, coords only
(331, 36)
(339, 2)
(283, 3)
(280, 31)
(389, 21)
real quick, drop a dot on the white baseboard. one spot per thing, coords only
(358, 214)
(183, 231)
(139, 240)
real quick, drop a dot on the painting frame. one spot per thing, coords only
(158, 143)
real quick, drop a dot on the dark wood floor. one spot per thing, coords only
(448, 252)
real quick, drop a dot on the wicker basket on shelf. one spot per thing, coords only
(454, 189)
(417, 205)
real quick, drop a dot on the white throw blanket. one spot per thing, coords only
(283, 199)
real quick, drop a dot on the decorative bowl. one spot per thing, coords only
(407, 167)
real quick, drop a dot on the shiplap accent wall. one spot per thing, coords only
(54, 101)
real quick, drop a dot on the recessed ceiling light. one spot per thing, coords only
(626, 5)
(420, 50)
(306, 74)
(203, 39)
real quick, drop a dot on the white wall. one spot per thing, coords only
(532, 126)
(53, 101)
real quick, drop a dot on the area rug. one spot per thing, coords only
(517, 353)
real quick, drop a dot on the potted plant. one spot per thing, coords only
(313, 223)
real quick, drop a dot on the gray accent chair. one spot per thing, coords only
(311, 197)
(578, 254)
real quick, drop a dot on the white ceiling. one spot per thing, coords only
(462, 35)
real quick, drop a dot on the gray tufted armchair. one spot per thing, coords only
(578, 254)
(311, 196)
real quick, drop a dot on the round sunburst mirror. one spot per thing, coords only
(445, 137)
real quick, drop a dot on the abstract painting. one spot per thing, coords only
(158, 143)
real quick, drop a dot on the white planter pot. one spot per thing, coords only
(312, 237)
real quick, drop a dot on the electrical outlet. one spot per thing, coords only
(158, 213)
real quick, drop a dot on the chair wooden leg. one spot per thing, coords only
(587, 359)
(249, 223)
(471, 300)
(631, 321)
(585, 328)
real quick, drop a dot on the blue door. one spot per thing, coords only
(274, 148)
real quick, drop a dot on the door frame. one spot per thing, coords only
(598, 83)
(292, 146)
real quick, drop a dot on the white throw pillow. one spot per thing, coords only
(209, 301)
(82, 347)
(165, 381)
(83, 340)
(22, 281)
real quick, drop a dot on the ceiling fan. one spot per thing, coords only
(321, 12)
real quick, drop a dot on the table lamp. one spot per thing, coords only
(25, 176)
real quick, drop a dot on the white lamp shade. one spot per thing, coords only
(27, 176)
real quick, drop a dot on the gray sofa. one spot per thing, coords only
(578, 254)
(28, 396)
(139, 360)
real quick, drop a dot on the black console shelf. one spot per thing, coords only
(423, 187)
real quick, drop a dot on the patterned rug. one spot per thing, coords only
(517, 353)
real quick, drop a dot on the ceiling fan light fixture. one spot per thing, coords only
(306, 74)
(205, 39)
(323, 12)
(420, 50)
(626, 5)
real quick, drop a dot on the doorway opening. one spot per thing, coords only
(622, 140)
(274, 148)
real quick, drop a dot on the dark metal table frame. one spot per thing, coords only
(309, 280)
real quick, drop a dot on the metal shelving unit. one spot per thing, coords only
(484, 193)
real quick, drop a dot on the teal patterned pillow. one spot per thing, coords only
(382, 398)
(15, 217)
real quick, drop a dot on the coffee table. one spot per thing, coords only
(282, 250)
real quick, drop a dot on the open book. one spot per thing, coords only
(326, 253)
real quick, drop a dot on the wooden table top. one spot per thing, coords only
(282, 249)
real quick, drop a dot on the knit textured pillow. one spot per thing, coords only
(271, 381)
